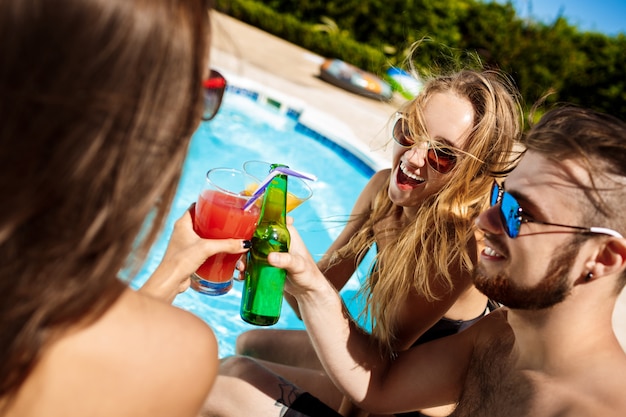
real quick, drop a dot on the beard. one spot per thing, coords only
(553, 288)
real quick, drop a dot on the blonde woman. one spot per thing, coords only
(448, 142)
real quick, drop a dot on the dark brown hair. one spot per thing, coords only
(598, 142)
(99, 101)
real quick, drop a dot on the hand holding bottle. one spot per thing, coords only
(303, 275)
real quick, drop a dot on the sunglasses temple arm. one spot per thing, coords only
(605, 231)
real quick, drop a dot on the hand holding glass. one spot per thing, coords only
(220, 215)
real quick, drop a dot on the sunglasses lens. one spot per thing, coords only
(509, 208)
(495, 191)
(401, 133)
(213, 92)
(441, 160)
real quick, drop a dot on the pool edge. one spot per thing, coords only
(311, 121)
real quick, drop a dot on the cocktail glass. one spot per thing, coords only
(219, 215)
(298, 191)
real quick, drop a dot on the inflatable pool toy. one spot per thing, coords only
(353, 79)
(403, 82)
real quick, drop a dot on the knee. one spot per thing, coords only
(247, 342)
(238, 366)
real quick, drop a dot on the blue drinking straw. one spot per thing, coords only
(278, 170)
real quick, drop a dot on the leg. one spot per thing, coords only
(247, 388)
(348, 409)
(288, 347)
(313, 381)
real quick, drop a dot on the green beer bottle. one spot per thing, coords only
(262, 296)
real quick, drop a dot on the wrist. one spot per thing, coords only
(163, 283)
(322, 295)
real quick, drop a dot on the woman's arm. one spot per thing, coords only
(340, 271)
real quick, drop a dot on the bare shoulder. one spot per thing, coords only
(493, 326)
(594, 388)
(366, 198)
(150, 358)
(379, 180)
(598, 385)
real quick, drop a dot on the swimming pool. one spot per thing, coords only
(245, 130)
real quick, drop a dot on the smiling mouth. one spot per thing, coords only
(493, 250)
(408, 178)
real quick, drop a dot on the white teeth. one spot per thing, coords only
(408, 173)
(490, 252)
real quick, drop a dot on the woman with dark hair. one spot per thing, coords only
(99, 102)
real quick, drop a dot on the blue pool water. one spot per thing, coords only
(246, 130)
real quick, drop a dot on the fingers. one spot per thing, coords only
(240, 267)
(277, 259)
(232, 246)
(241, 264)
(184, 225)
(297, 246)
(191, 211)
(283, 260)
(293, 263)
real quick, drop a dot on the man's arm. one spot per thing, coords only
(428, 375)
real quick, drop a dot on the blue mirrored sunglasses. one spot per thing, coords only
(214, 87)
(512, 217)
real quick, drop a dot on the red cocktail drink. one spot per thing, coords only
(220, 215)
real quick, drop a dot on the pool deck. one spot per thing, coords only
(291, 74)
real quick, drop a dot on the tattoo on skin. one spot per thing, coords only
(288, 394)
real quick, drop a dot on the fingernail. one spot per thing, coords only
(247, 244)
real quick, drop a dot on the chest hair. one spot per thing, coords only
(493, 387)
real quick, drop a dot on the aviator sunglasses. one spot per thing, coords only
(214, 87)
(440, 158)
(512, 215)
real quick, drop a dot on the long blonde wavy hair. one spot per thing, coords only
(441, 233)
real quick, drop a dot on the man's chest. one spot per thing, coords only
(493, 387)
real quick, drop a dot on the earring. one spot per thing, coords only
(589, 276)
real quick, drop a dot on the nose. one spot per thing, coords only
(489, 221)
(417, 155)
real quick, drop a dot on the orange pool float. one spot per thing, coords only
(355, 80)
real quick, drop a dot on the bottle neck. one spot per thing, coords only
(274, 206)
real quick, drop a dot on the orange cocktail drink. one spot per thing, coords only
(220, 215)
(293, 201)
(297, 189)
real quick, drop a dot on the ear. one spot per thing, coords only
(610, 258)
